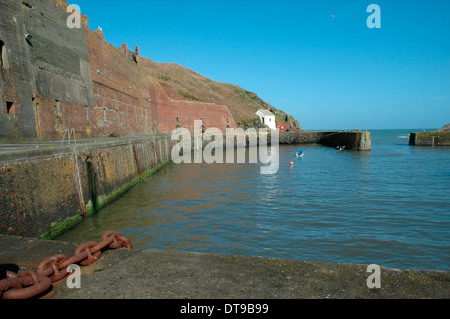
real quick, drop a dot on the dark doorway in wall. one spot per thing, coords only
(9, 106)
(2, 47)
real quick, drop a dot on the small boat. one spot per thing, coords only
(340, 148)
(300, 154)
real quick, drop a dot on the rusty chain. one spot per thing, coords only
(31, 283)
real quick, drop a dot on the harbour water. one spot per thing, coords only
(389, 206)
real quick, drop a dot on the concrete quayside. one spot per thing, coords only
(166, 274)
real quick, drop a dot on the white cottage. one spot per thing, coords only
(267, 118)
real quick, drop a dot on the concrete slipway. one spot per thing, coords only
(165, 274)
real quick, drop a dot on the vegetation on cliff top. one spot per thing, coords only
(188, 84)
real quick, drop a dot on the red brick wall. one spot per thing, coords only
(52, 124)
(127, 100)
(120, 87)
(122, 99)
(187, 112)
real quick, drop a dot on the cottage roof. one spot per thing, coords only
(265, 112)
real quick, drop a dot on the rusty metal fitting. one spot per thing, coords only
(29, 284)
(38, 285)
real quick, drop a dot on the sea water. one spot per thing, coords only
(389, 206)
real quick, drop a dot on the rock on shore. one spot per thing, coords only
(445, 128)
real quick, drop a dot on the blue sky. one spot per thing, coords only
(328, 72)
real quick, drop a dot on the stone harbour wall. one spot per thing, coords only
(430, 139)
(352, 140)
(51, 190)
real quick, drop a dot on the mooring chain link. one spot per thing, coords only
(31, 283)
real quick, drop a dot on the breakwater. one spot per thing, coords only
(429, 139)
(352, 140)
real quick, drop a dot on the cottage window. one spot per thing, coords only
(87, 113)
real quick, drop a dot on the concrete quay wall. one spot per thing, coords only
(352, 140)
(45, 190)
(430, 139)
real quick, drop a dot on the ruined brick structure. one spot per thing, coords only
(54, 78)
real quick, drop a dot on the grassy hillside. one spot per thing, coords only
(181, 82)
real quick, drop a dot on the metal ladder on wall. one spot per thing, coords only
(69, 133)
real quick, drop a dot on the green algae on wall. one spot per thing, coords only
(430, 139)
(47, 191)
(104, 200)
(57, 228)
(35, 192)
